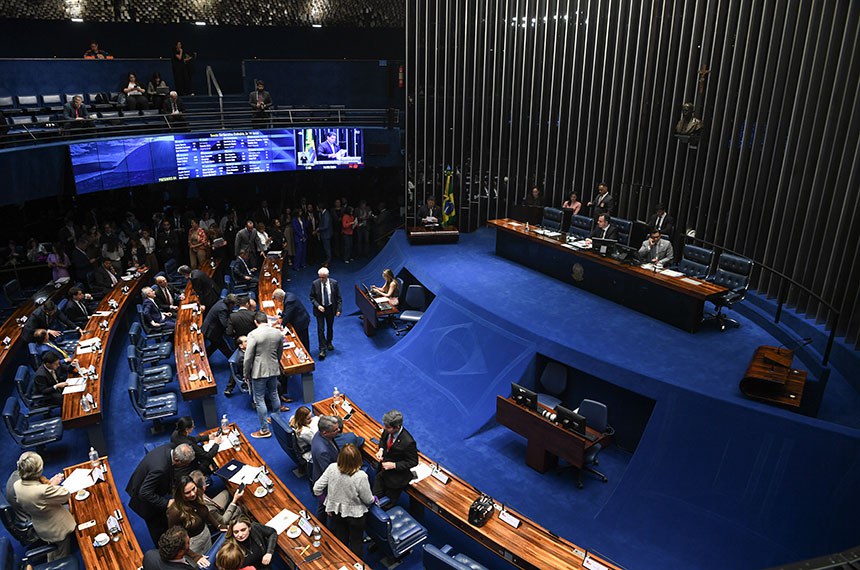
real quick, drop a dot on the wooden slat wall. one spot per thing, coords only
(565, 94)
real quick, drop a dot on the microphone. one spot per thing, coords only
(799, 343)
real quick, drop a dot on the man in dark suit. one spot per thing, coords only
(324, 452)
(167, 298)
(264, 213)
(662, 221)
(153, 319)
(103, 279)
(77, 310)
(604, 203)
(172, 552)
(246, 238)
(75, 110)
(215, 326)
(604, 229)
(326, 231)
(81, 262)
(329, 149)
(241, 322)
(260, 100)
(294, 313)
(397, 455)
(166, 243)
(47, 317)
(203, 285)
(50, 379)
(152, 482)
(430, 213)
(242, 271)
(327, 303)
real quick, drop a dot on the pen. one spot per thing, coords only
(302, 553)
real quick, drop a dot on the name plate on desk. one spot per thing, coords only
(509, 518)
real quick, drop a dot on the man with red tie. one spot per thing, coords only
(397, 455)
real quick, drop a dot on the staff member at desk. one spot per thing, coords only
(390, 289)
(656, 250)
(604, 229)
(397, 455)
(429, 213)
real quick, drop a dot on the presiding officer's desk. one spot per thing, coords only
(196, 381)
(546, 440)
(418, 235)
(334, 553)
(370, 311)
(528, 546)
(677, 300)
(125, 294)
(11, 329)
(101, 503)
(295, 359)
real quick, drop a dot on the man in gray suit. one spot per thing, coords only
(656, 250)
(262, 366)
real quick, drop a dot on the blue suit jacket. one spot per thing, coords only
(323, 454)
(151, 312)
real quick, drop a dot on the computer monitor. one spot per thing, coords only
(603, 246)
(523, 396)
(568, 419)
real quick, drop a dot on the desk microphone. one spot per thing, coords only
(799, 343)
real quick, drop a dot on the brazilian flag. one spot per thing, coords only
(310, 146)
(449, 212)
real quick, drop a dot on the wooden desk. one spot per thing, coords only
(103, 500)
(12, 330)
(771, 379)
(73, 415)
(196, 381)
(370, 312)
(529, 546)
(679, 301)
(546, 440)
(418, 235)
(291, 363)
(334, 553)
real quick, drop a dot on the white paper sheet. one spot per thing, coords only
(420, 472)
(246, 475)
(223, 444)
(74, 389)
(671, 273)
(283, 520)
(267, 304)
(690, 281)
(188, 306)
(79, 479)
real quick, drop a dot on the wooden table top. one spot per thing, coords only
(103, 500)
(192, 384)
(531, 545)
(12, 330)
(73, 415)
(696, 288)
(334, 553)
(270, 279)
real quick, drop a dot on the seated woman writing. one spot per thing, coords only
(390, 289)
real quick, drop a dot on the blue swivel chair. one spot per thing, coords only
(443, 559)
(35, 402)
(696, 261)
(553, 379)
(416, 300)
(151, 406)
(286, 437)
(552, 218)
(624, 229)
(30, 430)
(151, 378)
(34, 557)
(580, 226)
(174, 278)
(394, 531)
(596, 415)
(734, 273)
(156, 334)
(148, 353)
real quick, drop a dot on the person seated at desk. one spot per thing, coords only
(306, 427)
(604, 229)
(534, 197)
(166, 297)
(242, 272)
(257, 542)
(174, 108)
(75, 110)
(389, 290)
(47, 317)
(430, 213)
(95, 53)
(397, 455)
(135, 95)
(572, 203)
(50, 378)
(44, 344)
(103, 278)
(656, 250)
(77, 310)
(152, 316)
(329, 149)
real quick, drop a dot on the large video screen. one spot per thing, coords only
(118, 163)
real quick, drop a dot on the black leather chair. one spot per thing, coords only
(696, 261)
(596, 415)
(734, 273)
(442, 559)
(552, 218)
(580, 226)
(394, 531)
(52, 103)
(625, 227)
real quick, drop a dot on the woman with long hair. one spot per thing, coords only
(188, 510)
(390, 289)
(306, 427)
(257, 542)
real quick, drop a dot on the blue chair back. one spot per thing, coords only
(438, 559)
(286, 438)
(696, 261)
(596, 414)
(235, 366)
(27, 390)
(580, 226)
(394, 530)
(133, 360)
(733, 272)
(415, 297)
(35, 355)
(552, 218)
(135, 335)
(624, 229)
(554, 378)
(29, 434)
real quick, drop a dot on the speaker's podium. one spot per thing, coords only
(771, 379)
(432, 233)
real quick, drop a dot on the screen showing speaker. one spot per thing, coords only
(118, 163)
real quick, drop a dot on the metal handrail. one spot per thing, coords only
(780, 298)
(210, 81)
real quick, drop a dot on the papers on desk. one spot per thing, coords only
(288, 345)
(89, 342)
(273, 253)
(671, 273)
(101, 314)
(580, 244)
(61, 280)
(420, 472)
(189, 306)
(268, 304)
(282, 521)
(75, 385)
(86, 349)
(690, 281)
(127, 277)
(83, 478)
(246, 475)
(593, 564)
(381, 300)
(222, 442)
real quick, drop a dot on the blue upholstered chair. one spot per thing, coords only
(13, 292)
(155, 334)
(35, 402)
(416, 300)
(596, 415)
(552, 218)
(286, 437)
(696, 261)
(217, 543)
(394, 531)
(35, 557)
(734, 273)
(18, 524)
(174, 278)
(151, 406)
(30, 430)
(442, 559)
(148, 353)
(152, 377)
(624, 229)
(580, 226)
(553, 379)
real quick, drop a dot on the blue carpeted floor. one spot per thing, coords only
(713, 473)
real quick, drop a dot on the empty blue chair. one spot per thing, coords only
(596, 415)
(734, 273)
(234, 363)
(148, 353)
(442, 559)
(35, 402)
(394, 531)
(174, 279)
(151, 406)
(624, 229)
(30, 430)
(696, 261)
(580, 226)
(553, 379)
(552, 218)
(151, 378)
(286, 437)
(416, 300)
(34, 556)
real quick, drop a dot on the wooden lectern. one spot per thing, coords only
(771, 379)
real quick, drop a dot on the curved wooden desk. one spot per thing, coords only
(528, 546)
(114, 304)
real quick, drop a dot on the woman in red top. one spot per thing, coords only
(349, 222)
(198, 245)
